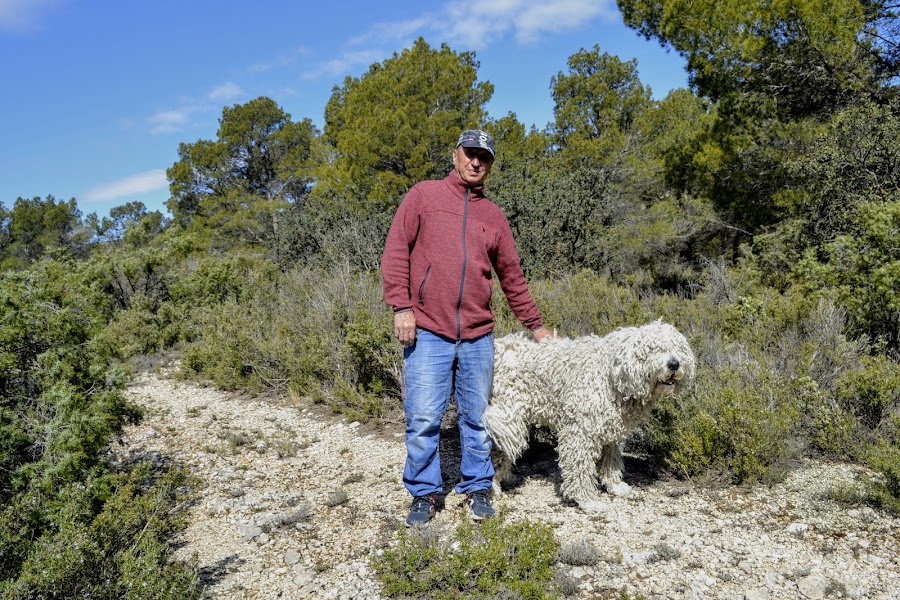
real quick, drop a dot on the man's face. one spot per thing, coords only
(472, 164)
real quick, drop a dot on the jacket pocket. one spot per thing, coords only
(422, 285)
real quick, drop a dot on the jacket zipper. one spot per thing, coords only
(462, 279)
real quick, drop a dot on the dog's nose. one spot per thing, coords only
(673, 364)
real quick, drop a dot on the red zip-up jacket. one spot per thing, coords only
(437, 261)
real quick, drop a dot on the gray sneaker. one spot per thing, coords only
(421, 510)
(479, 505)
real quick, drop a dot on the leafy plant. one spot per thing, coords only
(497, 557)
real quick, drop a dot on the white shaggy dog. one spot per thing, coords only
(590, 392)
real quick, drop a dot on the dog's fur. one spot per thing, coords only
(590, 392)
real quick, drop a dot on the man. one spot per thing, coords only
(445, 239)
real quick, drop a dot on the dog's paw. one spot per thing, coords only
(592, 507)
(496, 489)
(620, 489)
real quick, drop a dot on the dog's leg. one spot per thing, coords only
(579, 481)
(509, 432)
(610, 468)
(503, 466)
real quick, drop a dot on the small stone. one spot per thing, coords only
(813, 586)
(304, 577)
(249, 531)
(756, 594)
(291, 557)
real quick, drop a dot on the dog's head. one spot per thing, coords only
(651, 361)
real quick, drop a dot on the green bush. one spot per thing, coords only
(497, 557)
(69, 526)
(144, 329)
(212, 279)
(322, 334)
(884, 457)
(872, 391)
(104, 539)
(740, 426)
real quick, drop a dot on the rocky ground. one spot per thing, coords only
(295, 503)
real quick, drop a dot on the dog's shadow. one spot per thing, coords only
(540, 460)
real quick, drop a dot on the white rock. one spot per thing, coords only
(813, 586)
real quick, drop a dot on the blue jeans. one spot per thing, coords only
(430, 367)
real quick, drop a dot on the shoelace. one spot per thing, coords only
(422, 503)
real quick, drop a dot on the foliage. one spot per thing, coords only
(132, 215)
(591, 194)
(808, 53)
(69, 525)
(238, 185)
(743, 429)
(885, 458)
(34, 227)
(396, 124)
(597, 104)
(498, 557)
(322, 334)
(106, 538)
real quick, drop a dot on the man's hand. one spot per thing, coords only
(542, 332)
(405, 327)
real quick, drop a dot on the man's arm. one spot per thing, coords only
(395, 273)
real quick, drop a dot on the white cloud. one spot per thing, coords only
(478, 25)
(473, 25)
(279, 62)
(226, 91)
(22, 15)
(395, 31)
(169, 121)
(150, 181)
(346, 63)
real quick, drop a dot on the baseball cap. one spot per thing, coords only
(476, 138)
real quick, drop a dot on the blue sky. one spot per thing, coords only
(97, 94)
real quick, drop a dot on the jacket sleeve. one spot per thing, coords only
(512, 280)
(395, 261)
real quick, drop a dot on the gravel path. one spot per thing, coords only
(295, 503)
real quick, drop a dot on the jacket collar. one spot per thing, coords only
(459, 187)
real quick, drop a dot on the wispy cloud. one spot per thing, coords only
(472, 26)
(23, 15)
(179, 118)
(226, 91)
(391, 32)
(345, 63)
(170, 121)
(478, 25)
(279, 62)
(149, 181)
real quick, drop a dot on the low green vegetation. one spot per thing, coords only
(500, 559)
(72, 524)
